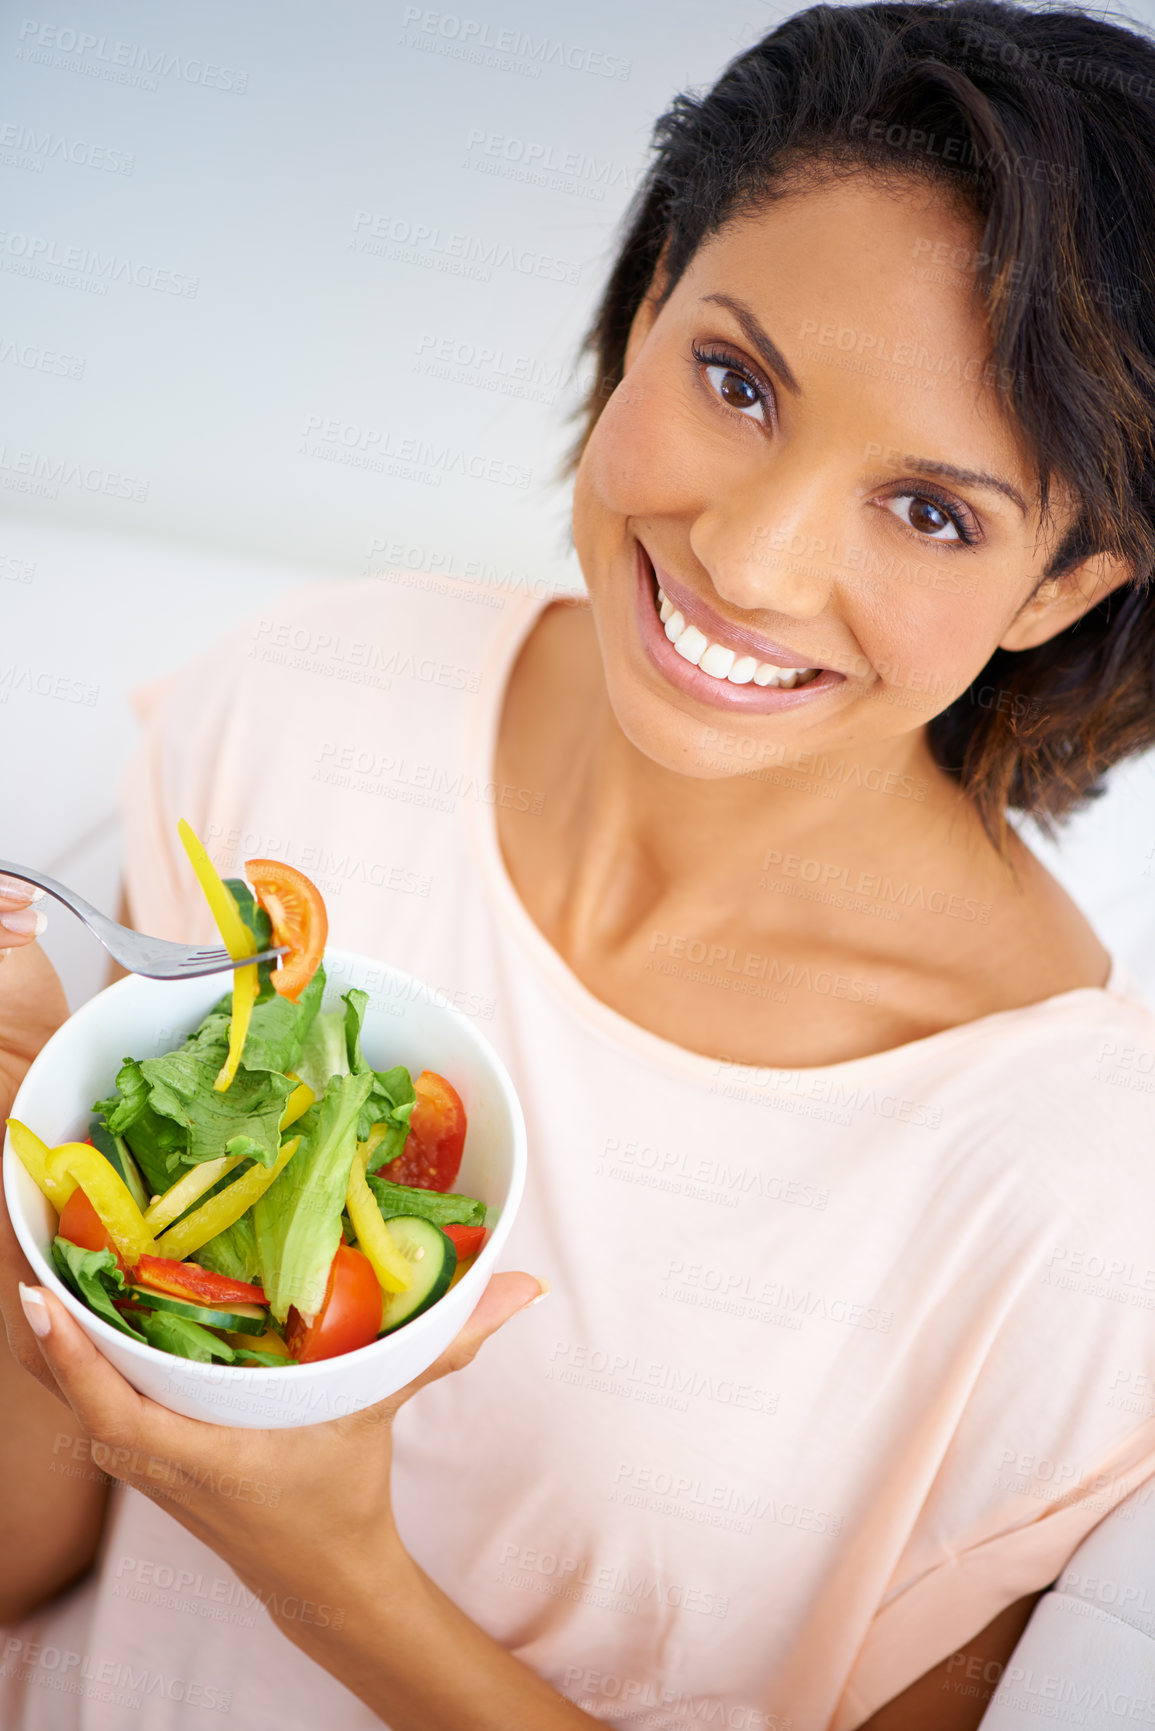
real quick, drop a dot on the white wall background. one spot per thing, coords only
(294, 290)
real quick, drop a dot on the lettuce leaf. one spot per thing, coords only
(169, 1112)
(324, 1052)
(93, 1275)
(254, 1355)
(187, 1339)
(278, 1028)
(298, 1219)
(442, 1208)
(155, 1143)
(233, 1252)
(184, 1338)
(392, 1097)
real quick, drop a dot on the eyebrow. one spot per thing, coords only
(770, 352)
(968, 477)
(774, 359)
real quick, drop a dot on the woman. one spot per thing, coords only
(816, 1057)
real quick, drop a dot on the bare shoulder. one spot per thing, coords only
(1039, 942)
(996, 935)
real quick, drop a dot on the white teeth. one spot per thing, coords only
(722, 663)
(691, 644)
(717, 661)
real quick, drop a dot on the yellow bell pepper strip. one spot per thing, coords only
(373, 1235)
(163, 1210)
(369, 1147)
(34, 1155)
(109, 1195)
(224, 1209)
(238, 941)
(270, 1341)
(298, 1102)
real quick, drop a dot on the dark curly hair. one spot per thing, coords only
(1043, 124)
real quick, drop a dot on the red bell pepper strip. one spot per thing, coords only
(189, 1280)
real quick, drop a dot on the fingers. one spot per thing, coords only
(102, 1400)
(505, 1295)
(115, 1416)
(20, 921)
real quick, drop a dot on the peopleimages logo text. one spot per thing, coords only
(102, 56)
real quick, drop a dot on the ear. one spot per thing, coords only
(1059, 601)
(647, 312)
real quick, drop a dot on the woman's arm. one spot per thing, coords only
(956, 1694)
(305, 1519)
(52, 1498)
(423, 1665)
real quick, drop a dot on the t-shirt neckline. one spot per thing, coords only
(609, 1023)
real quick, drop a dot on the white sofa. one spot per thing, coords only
(1087, 1656)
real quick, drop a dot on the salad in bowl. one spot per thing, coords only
(259, 1197)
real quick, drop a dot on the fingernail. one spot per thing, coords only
(36, 1311)
(16, 890)
(544, 1293)
(24, 920)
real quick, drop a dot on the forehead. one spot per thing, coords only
(858, 235)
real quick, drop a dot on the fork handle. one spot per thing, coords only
(51, 887)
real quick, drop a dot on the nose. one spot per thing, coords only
(769, 547)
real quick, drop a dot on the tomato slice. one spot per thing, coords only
(350, 1316)
(298, 917)
(467, 1240)
(431, 1157)
(189, 1280)
(82, 1225)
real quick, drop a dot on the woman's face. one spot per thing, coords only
(805, 458)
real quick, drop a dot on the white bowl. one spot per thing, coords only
(142, 1018)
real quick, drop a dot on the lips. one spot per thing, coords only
(721, 664)
(715, 629)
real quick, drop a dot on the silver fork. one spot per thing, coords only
(156, 957)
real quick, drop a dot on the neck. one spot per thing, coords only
(626, 843)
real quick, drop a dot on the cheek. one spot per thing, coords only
(638, 460)
(927, 627)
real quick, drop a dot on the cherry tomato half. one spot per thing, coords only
(431, 1157)
(350, 1316)
(82, 1225)
(467, 1240)
(298, 917)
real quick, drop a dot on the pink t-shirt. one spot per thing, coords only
(838, 1361)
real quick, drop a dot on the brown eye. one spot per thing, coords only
(926, 517)
(737, 391)
(923, 515)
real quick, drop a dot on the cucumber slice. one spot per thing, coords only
(115, 1151)
(432, 1257)
(241, 1318)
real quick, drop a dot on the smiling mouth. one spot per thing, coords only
(718, 660)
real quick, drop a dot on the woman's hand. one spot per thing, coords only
(268, 1501)
(306, 1515)
(21, 922)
